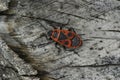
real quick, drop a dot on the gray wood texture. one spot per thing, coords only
(33, 57)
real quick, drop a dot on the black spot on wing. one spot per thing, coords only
(75, 41)
(49, 33)
(66, 43)
(62, 36)
(55, 34)
(69, 34)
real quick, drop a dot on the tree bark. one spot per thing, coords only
(27, 54)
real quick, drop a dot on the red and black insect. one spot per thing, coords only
(68, 38)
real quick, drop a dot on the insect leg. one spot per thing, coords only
(67, 22)
(39, 45)
(73, 50)
(71, 29)
(56, 45)
(61, 26)
(44, 35)
(64, 48)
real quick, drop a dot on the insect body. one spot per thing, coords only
(66, 38)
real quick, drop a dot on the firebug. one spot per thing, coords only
(67, 38)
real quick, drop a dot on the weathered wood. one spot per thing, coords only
(97, 21)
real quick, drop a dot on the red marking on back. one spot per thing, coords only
(69, 35)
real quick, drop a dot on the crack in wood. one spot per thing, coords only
(111, 30)
(47, 4)
(105, 38)
(94, 66)
(61, 67)
(63, 76)
(47, 20)
(85, 66)
(3, 13)
(58, 58)
(73, 15)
